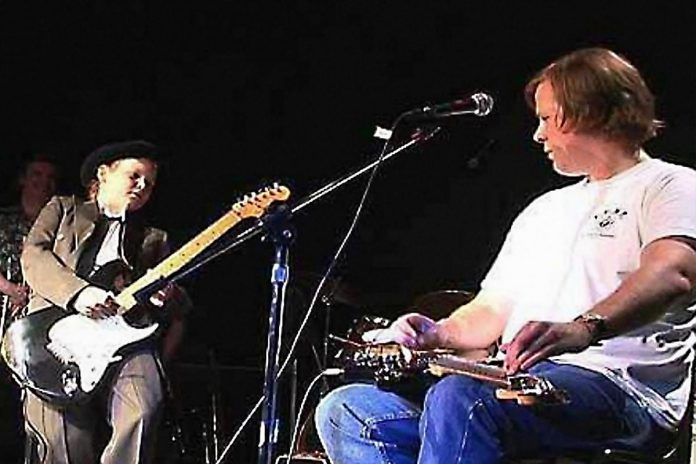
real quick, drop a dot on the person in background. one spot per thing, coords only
(37, 182)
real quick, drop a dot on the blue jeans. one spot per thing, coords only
(461, 421)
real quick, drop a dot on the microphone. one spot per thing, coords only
(478, 104)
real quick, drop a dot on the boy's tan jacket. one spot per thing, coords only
(56, 242)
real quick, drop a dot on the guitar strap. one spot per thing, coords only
(132, 243)
(85, 263)
(132, 235)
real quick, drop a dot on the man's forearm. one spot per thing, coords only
(476, 325)
(667, 274)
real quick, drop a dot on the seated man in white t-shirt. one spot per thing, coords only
(592, 290)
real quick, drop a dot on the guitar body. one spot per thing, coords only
(62, 357)
(390, 364)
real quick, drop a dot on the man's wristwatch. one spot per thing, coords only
(596, 324)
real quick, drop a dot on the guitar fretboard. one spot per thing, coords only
(184, 255)
(477, 369)
(252, 205)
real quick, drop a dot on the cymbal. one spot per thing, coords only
(335, 289)
(440, 303)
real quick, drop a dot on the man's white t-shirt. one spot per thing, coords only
(572, 247)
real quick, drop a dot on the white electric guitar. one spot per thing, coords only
(63, 356)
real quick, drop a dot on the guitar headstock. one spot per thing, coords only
(256, 203)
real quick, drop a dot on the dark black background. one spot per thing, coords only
(239, 92)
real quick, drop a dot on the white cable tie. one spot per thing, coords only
(333, 371)
(382, 133)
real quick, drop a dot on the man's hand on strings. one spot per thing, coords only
(539, 340)
(408, 330)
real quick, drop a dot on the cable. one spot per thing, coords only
(238, 432)
(295, 431)
(358, 211)
(339, 250)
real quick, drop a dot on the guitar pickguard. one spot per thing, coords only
(91, 344)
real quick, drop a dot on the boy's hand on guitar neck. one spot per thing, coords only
(96, 303)
(160, 298)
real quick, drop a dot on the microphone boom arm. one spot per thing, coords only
(258, 228)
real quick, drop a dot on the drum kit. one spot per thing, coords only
(349, 347)
(190, 434)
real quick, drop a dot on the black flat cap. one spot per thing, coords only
(115, 151)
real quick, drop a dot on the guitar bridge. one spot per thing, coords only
(529, 385)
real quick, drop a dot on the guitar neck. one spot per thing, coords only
(451, 364)
(126, 299)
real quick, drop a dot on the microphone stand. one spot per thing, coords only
(279, 231)
(276, 226)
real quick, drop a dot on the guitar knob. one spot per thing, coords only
(69, 380)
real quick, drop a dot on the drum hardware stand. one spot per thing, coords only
(212, 432)
(277, 229)
(327, 330)
(292, 417)
(327, 299)
(175, 435)
(324, 360)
